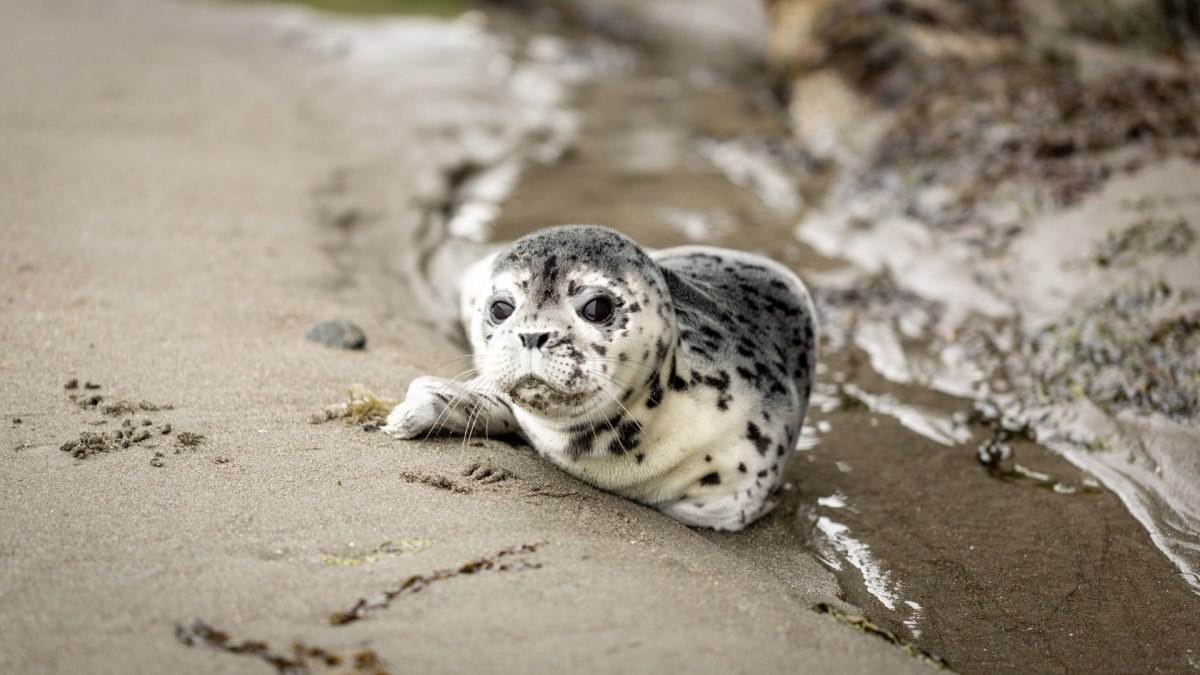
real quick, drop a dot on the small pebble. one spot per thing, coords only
(339, 333)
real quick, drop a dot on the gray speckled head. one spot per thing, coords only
(546, 348)
(548, 252)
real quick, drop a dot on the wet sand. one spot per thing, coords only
(184, 189)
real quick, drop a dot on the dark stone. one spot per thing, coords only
(339, 333)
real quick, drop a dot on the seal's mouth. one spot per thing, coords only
(533, 392)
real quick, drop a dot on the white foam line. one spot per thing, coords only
(936, 427)
(878, 582)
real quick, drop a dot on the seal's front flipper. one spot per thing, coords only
(439, 405)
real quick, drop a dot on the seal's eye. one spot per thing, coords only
(501, 310)
(597, 309)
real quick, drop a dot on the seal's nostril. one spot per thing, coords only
(534, 340)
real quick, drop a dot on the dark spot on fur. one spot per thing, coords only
(675, 382)
(708, 458)
(627, 439)
(584, 436)
(720, 381)
(660, 349)
(599, 349)
(711, 479)
(762, 474)
(656, 393)
(640, 457)
(742, 467)
(761, 442)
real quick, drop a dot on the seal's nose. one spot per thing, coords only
(534, 340)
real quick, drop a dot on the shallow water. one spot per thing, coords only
(1051, 558)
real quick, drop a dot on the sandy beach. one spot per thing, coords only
(994, 205)
(180, 185)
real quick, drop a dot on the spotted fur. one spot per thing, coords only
(689, 397)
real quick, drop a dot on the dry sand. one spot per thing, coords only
(166, 172)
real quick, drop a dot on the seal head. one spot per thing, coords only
(564, 327)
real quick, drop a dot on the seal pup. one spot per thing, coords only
(678, 378)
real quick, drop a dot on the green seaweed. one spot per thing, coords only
(1155, 26)
(388, 549)
(865, 625)
(1110, 353)
(441, 8)
(1145, 237)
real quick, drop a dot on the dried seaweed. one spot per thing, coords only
(303, 658)
(363, 408)
(419, 582)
